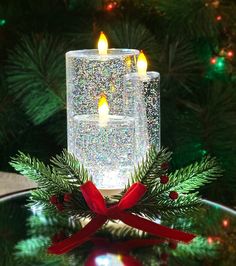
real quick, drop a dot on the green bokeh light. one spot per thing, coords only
(220, 62)
(2, 22)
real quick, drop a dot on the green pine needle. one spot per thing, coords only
(65, 175)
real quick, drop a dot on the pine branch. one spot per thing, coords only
(194, 176)
(163, 207)
(65, 175)
(45, 176)
(156, 202)
(67, 165)
(35, 76)
(149, 169)
(32, 246)
(132, 34)
(199, 248)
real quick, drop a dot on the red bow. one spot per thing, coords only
(97, 204)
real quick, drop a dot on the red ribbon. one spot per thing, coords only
(97, 204)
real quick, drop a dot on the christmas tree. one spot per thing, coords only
(190, 42)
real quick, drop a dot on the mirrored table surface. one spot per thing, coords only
(25, 234)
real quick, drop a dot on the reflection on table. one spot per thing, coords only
(27, 232)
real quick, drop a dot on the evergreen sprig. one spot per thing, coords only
(156, 202)
(67, 165)
(65, 174)
(149, 169)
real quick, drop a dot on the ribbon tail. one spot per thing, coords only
(155, 229)
(79, 237)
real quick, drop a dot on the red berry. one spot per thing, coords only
(174, 195)
(60, 206)
(164, 179)
(54, 199)
(165, 166)
(67, 197)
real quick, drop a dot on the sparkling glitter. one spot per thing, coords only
(111, 152)
(144, 93)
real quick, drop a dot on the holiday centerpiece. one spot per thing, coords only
(114, 168)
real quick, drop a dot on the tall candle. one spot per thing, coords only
(100, 134)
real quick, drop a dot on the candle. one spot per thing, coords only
(108, 152)
(143, 90)
(101, 134)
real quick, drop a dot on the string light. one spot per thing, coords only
(230, 54)
(213, 60)
(225, 222)
(219, 18)
(210, 240)
(2, 22)
(213, 239)
(110, 6)
(220, 62)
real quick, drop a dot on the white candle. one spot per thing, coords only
(142, 89)
(100, 134)
(108, 152)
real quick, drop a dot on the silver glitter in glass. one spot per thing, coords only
(144, 92)
(111, 149)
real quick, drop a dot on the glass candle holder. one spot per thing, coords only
(100, 134)
(142, 94)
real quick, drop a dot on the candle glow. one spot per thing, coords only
(142, 64)
(102, 44)
(103, 110)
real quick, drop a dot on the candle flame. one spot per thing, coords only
(142, 64)
(103, 110)
(102, 44)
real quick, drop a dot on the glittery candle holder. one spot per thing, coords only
(108, 150)
(142, 94)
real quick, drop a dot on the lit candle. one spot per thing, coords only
(142, 64)
(103, 110)
(102, 44)
(142, 89)
(99, 134)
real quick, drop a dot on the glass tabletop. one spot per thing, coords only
(25, 234)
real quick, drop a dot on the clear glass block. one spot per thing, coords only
(109, 152)
(142, 94)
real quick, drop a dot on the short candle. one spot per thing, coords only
(143, 90)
